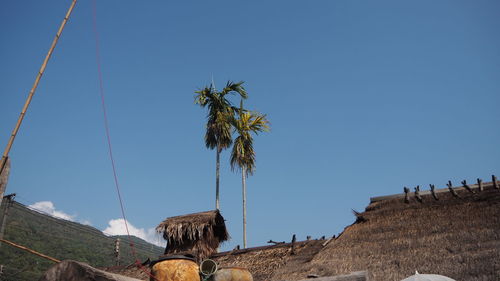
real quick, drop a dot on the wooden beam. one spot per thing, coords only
(417, 194)
(294, 239)
(29, 250)
(433, 191)
(464, 184)
(450, 188)
(407, 194)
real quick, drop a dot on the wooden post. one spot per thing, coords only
(275, 243)
(33, 89)
(4, 178)
(480, 184)
(407, 194)
(464, 183)
(117, 251)
(9, 198)
(494, 180)
(417, 194)
(450, 187)
(294, 239)
(328, 241)
(433, 191)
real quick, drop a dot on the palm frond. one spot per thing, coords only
(220, 111)
(203, 96)
(243, 154)
(232, 88)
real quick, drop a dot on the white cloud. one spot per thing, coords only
(117, 227)
(48, 208)
(85, 222)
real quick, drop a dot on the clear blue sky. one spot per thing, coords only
(364, 97)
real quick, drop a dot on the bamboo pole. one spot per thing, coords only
(33, 88)
(29, 250)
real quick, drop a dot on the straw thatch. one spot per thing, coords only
(198, 234)
(271, 262)
(453, 236)
(457, 237)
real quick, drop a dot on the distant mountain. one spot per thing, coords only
(60, 239)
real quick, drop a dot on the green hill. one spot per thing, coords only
(60, 239)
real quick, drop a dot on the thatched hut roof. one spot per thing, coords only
(199, 234)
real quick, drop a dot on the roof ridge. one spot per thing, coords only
(428, 192)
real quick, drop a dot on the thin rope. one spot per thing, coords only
(108, 137)
(106, 126)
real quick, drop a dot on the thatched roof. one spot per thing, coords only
(199, 234)
(457, 237)
(276, 262)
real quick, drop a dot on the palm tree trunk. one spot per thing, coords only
(244, 185)
(217, 172)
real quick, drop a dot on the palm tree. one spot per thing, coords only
(243, 154)
(220, 111)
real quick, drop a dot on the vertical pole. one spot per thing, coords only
(4, 178)
(244, 186)
(217, 173)
(417, 194)
(117, 251)
(433, 187)
(217, 164)
(33, 88)
(407, 194)
(8, 199)
(480, 184)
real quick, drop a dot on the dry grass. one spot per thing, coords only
(456, 237)
(274, 262)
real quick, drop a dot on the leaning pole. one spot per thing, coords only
(5, 156)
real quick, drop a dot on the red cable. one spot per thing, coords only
(108, 136)
(101, 89)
